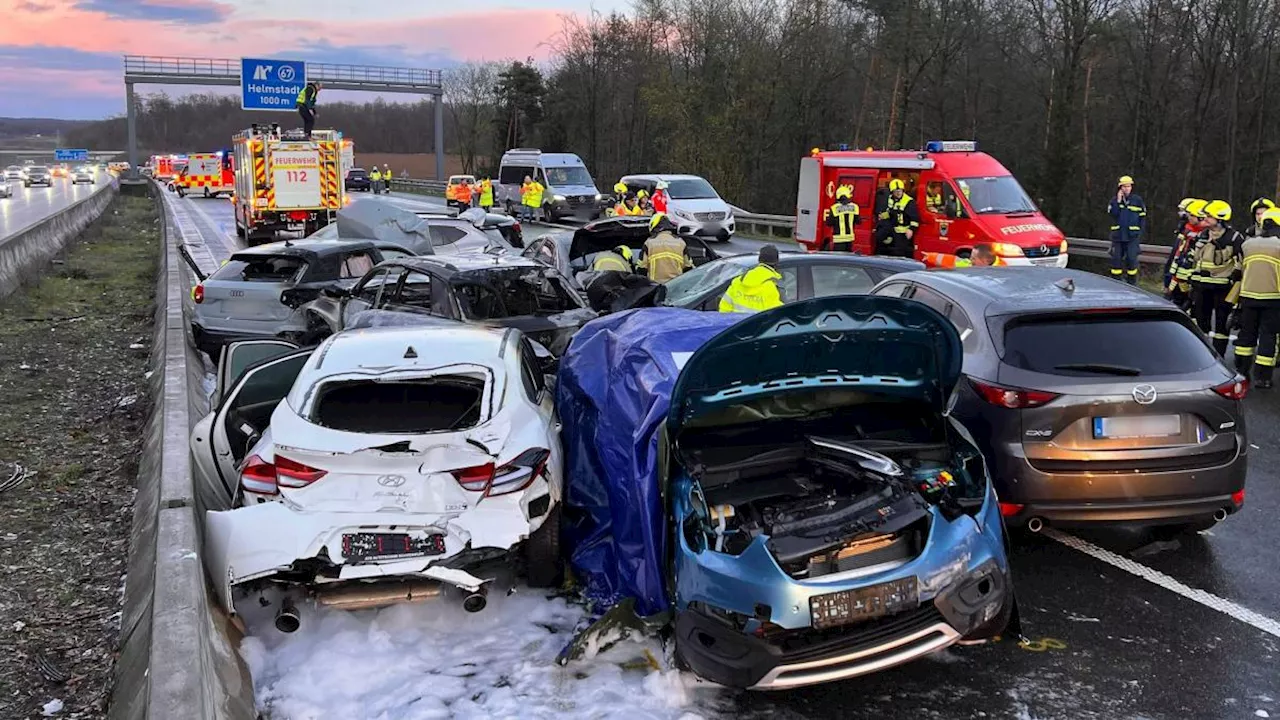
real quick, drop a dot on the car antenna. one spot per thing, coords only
(1066, 285)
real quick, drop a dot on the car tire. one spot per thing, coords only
(544, 567)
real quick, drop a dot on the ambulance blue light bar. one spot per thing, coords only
(940, 146)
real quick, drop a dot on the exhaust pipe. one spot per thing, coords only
(476, 601)
(1220, 514)
(365, 597)
(287, 618)
(1035, 524)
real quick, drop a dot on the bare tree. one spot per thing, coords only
(469, 95)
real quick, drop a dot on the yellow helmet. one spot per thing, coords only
(619, 187)
(1218, 209)
(1124, 180)
(1271, 217)
(844, 192)
(657, 218)
(815, 151)
(1182, 206)
(896, 184)
(1195, 208)
(624, 251)
(1261, 202)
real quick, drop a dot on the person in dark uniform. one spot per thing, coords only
(307, 106)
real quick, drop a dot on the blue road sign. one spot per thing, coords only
(65, 155)
(271, 84)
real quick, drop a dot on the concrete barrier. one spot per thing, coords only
(25, 252)
(178, 654)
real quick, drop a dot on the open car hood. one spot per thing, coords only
(864, 343)
(608, 234)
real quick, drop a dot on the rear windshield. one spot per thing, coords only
(438, 404)
(513, 293)
(356, 172)
(260, 268)
(1101, 346)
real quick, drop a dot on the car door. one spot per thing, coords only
(413, 294)
(246, 411)
(368, 292)
(236, 357)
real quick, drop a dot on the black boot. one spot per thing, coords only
(1262, 377)
(1244, 363)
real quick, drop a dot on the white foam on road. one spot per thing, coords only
(434, 660)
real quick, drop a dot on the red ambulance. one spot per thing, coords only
(964, 198)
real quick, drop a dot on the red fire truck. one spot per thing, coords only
(964, 198)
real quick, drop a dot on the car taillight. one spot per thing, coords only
(515, 227)
(1237, 497)
(520, 472)
(1010, 509)
(1010, 397)
(293, 474)
(1236, 389)
(475, 479)
(258, 476)
(298, 215)
(197, 294)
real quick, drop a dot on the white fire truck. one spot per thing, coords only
(209, 174)
(286, 182)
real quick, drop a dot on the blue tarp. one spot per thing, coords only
(612, 395)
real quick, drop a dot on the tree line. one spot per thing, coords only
(1068, 94)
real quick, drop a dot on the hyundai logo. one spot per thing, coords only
(391, 480)
(1144, 394)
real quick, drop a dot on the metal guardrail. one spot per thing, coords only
(222, 71)
(783, 226)
(422, 187)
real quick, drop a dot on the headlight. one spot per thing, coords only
(1006, 250)
(599, 196)
(559, 198)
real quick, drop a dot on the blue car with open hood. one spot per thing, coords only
(821, 515)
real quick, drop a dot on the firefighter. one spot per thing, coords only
(1180, 238)
(1184, 262)
(665, 254)
(1128, 219)
(619, 259)
(386, 178)
(629, 206)
(756, 289)
(486, 194)
(306, 104)
(375, 180)
(841, 218)
(1259, 313)
(1216, 260)
(982, 255)
(531, 197)
(660, 198)
(1258, 207)
(619, 192)
(899, 221)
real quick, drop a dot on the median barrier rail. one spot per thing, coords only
(783, 227)
(421, 187)
(177, 651)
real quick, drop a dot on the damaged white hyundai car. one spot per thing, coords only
(385, 465)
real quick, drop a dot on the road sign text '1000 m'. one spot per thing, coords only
(271, 84)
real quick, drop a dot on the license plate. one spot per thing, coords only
(1140, 426)
(850, 606)
(385, 546)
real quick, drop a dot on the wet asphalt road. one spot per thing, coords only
(1127, 646)
(29, 206)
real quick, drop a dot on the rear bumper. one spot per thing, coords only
(1138, 512)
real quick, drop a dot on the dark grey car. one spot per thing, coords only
(1092, 400)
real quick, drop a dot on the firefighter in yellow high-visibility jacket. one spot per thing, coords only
(841, 218)
(756, 289)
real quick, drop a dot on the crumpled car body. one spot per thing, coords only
(830, 520)
(393, 454)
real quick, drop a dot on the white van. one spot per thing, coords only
(569, 187)
(692, 202)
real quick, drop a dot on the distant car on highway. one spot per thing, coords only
(357, 179)
(1092, 400)
(37, 175)
(451, 189)
(691, 201)
(804, 276)
(13, 172)
(82, 175)
(5, 190)
(255, 293)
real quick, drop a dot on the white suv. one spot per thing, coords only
(400, 463)
(692, 203)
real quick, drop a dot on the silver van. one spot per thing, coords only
(570, 191)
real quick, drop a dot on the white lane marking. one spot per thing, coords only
(191, 237)
(1207, 599)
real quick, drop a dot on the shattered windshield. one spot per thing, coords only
(996, 195)
(494, 295)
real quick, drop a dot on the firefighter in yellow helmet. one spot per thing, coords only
(665, 254)
(619, 259)
(1182, 234)
(1258, 207)
(1216, 265)
(840, 218)
(897, 223)
(1128, 221)
(1184, 262)
(1259, 313)
(756, 289)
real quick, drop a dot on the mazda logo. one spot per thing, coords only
(1144, 394)
(391, 480)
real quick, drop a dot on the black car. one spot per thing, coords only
(357, 179)
(37, 175)
(487, 289)
(804, 276)
(573, 252)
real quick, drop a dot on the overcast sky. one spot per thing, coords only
(63, 57)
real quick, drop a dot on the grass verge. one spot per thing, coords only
(73, 358)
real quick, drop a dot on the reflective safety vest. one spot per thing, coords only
(463, 193)
(664, 255)
(386, 174)
(1261, 279)
(531, 194)
(621, 210)
(610, 261)
(486, 193)
(753, 291)
(376, 174)
(302, 97)
(841, 218)
(902, 213)
(946, 260)
(1215, 257)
